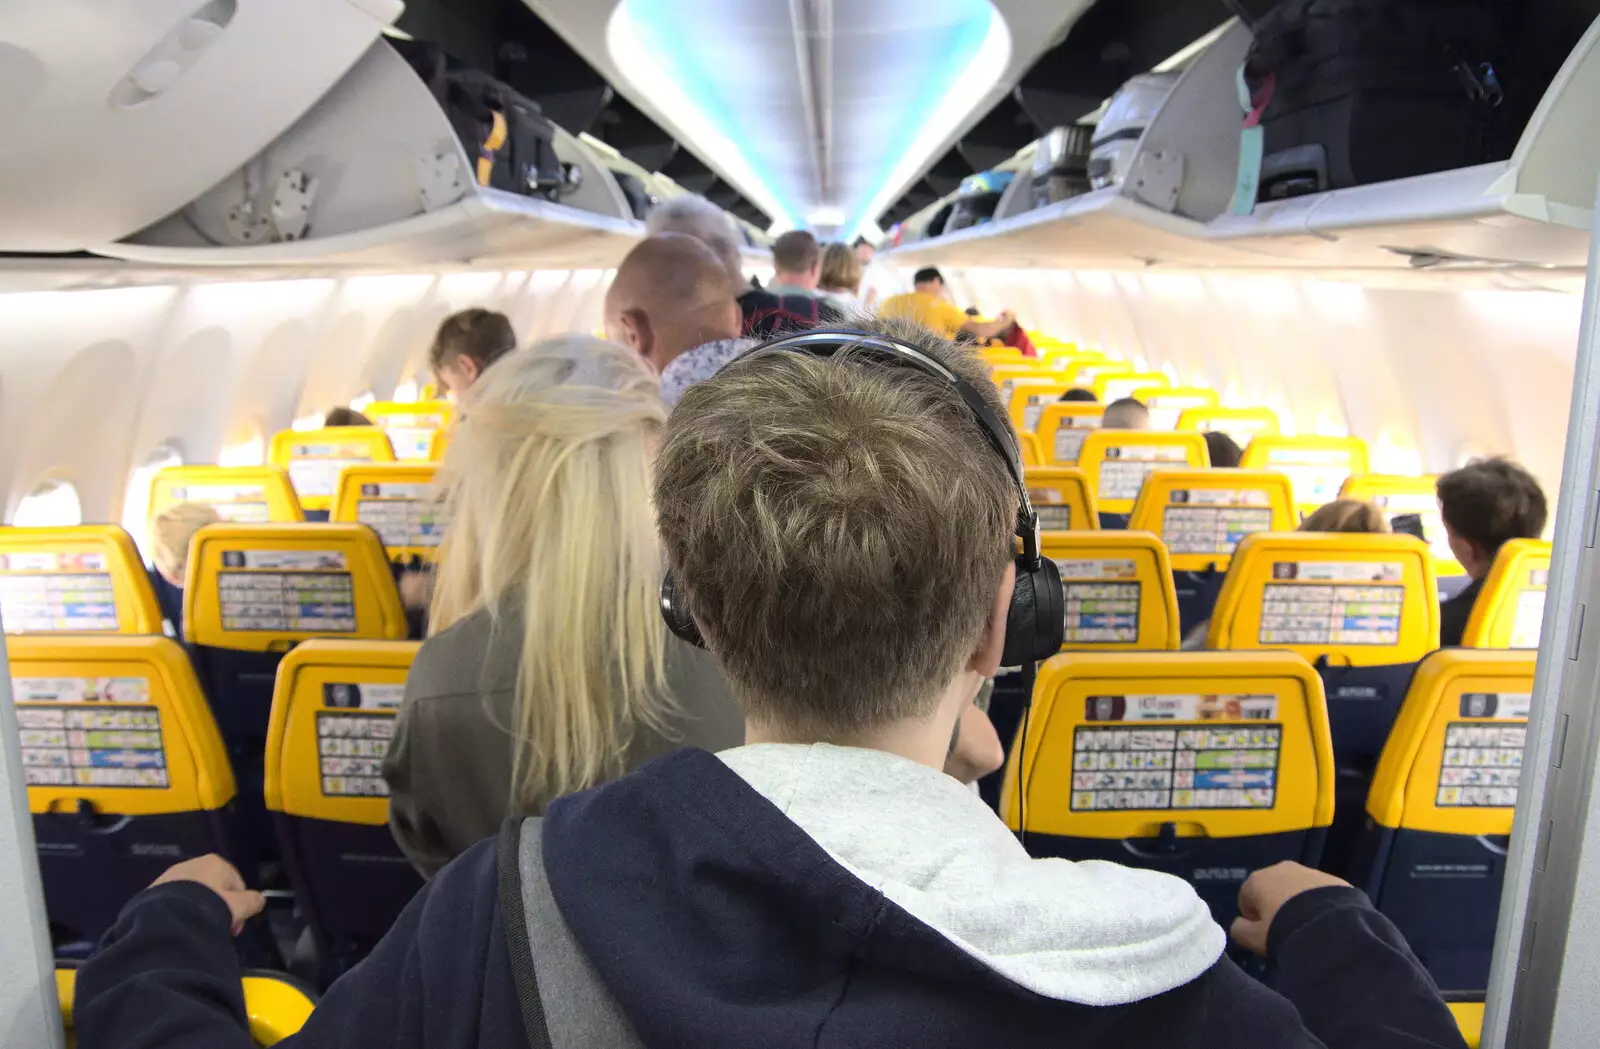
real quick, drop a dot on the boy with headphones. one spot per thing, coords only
(841, 513)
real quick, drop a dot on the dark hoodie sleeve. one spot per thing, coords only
(166, 977)
(1352, 977)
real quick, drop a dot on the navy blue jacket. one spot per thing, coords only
(716, 922)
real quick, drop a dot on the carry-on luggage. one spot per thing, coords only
(1061, 165)
(1118, 133)
(1363, 91)
(979, 197)
(510, 142)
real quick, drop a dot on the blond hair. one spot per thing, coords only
(549, 507)
(841, 270)
(838, 528)
(1346, 515)
(170, 532)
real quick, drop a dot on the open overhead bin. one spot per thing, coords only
(116, 114)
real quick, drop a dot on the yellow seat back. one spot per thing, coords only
(1030, 397)
(411, 426)
(276, 1006)
(315, 457)
(1028, 448)
(1118, 461)
(1396, 495)
(1317, 466)
(1202, 515)
(1062, 498)
(1453, 760)
(1224, 745)
(399, 502)
(247, 494)
(438, 445)
(333, 712)
(1062, 427)
(118, 721)
(1168, 403)
(1242, 424)
(1117, 589)
(265, 588)
(1360, 600)
(1509, 612)
(1114, 386)
(79, 578)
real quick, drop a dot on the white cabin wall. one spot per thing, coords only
(93, 381)
(1429, 377)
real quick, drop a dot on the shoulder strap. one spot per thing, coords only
(565, 1004)
(515, 928)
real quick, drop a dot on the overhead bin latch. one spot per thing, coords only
(287, 217)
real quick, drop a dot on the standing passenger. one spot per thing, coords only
(796, 264)
(547, 669)
(671, 304)
(1484, 505)
(927, 305)
(840, 282)
(467, 343)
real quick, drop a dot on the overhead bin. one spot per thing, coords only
(1529, 213)
(116, 114)
(374, 174)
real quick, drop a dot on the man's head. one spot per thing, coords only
(796, 259)
(1079, 394)
(466, 344)
(1224, 451)
(1126, 414)
(842, 533)
(699, 218)
(670, 295)
(1485, 504)
(929, 280)
(864, 251)
(339, 415)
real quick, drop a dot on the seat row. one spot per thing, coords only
(1209, 765)
(128, 772)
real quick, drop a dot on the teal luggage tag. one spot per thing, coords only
(1247, 184)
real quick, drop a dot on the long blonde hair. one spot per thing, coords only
(548, 497)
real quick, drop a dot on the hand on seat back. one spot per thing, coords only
(1265, 892)
(220, 876)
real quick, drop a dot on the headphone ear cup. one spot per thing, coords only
(673, 610)
(1036, 624)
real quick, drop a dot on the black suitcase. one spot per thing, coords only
(1364, 91)
(507, 138)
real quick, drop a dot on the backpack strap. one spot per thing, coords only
(515, 929)
(565, 1004)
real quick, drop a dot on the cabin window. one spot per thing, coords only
(50, 504)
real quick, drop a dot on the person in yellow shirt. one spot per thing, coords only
(927, 306)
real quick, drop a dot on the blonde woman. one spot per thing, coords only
(840, 282)
(548, 668)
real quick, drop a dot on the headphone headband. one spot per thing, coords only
(828, 342)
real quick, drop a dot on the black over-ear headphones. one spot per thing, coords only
(1035, 624)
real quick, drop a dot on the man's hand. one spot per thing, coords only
(1265, 892)
(218, 875)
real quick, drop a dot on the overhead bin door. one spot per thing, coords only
(118, 114)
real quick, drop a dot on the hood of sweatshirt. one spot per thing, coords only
(816, 895)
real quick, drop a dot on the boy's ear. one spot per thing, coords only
(986, 660)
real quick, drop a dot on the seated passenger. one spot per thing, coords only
(1483, 505)
(840, 283)
(547, 669)
(1078, 393)
(170, 533)
(1346, 515)
(466, 344)
(1341, 515)
(928, 306)
(1128, 413)
(764, 314)
(670, 303)
(342, 416)
(843, 534)
(1225, 452)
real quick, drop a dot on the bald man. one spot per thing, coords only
(673, 304)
